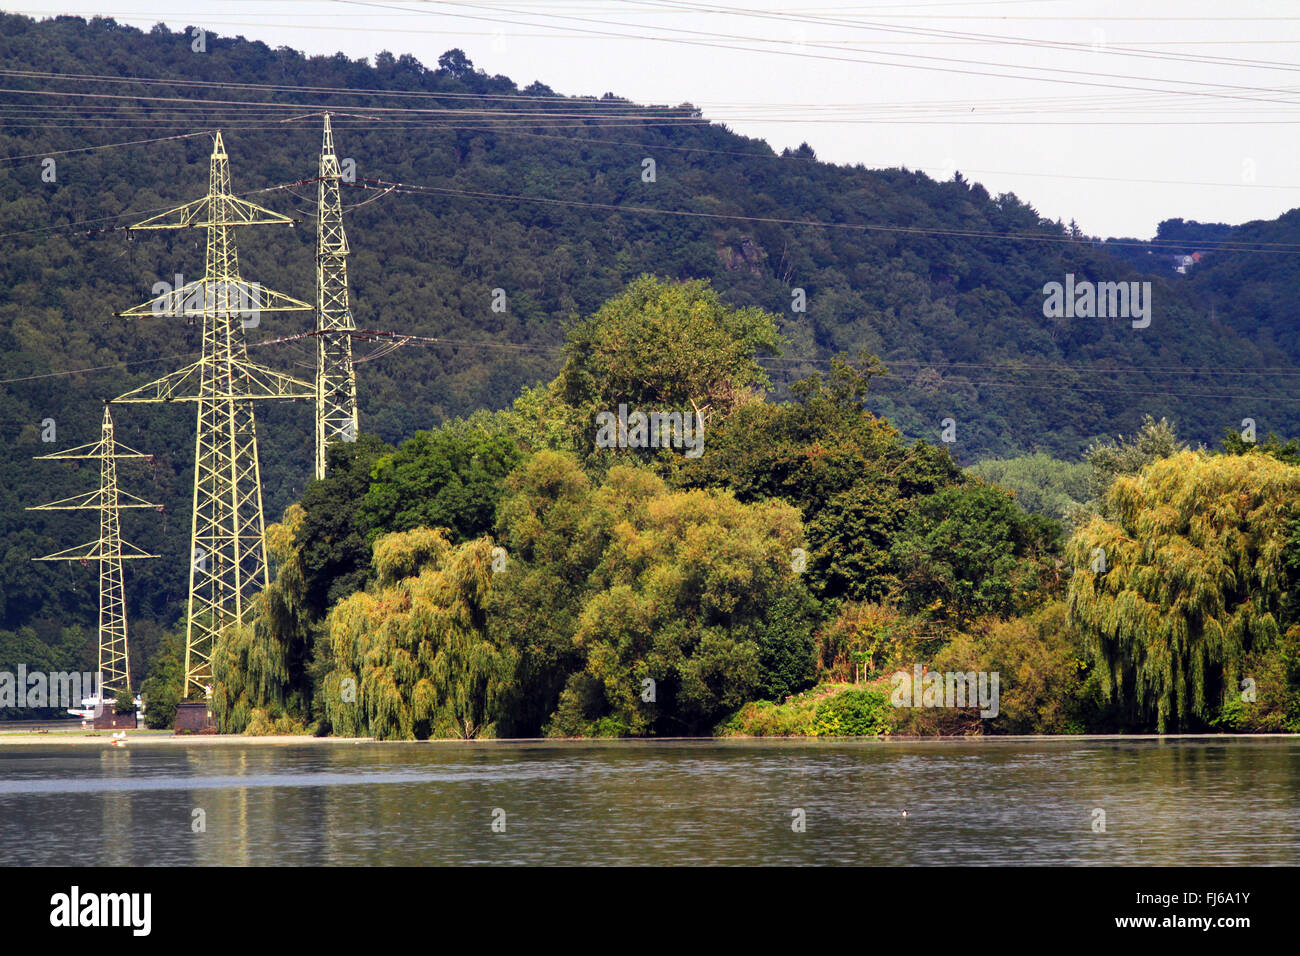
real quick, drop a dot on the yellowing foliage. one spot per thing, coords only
(1193, 579)
(412, 658)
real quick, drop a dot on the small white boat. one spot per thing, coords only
(93, 706)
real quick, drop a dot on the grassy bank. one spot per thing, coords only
(828, 710)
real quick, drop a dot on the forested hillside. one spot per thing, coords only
(546, 199)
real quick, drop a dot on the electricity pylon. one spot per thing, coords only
(227, 529)
(336, 382)
(109, 550)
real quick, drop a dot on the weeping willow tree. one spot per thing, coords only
(1184, 586)
(259, 676)
(411, 655)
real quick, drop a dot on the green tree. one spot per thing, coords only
(259, 669)
(1289, 452)
(1042, 484)
(667, 346)
(1109, 459)
(332, 539)
(161, 691)
(411, 655)
(848, 471)
(553, 542)
(1186, 581)
(1046, 683)
(447, 478)
(678, 619)
(124, 702)
(969, 551)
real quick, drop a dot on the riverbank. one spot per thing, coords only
(165, 738)
(136, 738)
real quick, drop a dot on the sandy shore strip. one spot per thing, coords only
(160, 738)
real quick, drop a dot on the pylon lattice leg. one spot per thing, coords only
(227, 541)
(336, 383)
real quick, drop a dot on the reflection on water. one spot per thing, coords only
(1229, 801)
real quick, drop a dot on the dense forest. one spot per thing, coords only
(512, 225)
(510, 575)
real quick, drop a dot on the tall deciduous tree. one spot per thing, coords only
(259, 669)
(849, 471)
(638, 609)
(971, 550)
(448, 478)
(1186, 581)
(1109, 458)
(669, 346)
(412, 656)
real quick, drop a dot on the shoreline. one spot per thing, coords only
(164, 738)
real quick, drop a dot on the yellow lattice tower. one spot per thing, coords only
(109, 550)
(336, 382)
(227, 531)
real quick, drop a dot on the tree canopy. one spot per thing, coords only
(1186, 585)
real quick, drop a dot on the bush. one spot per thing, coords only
(1272, 674)
(161, 692)
(1045, 683)
(124, 703)
(878, 637)
(273, 723)
(828, 710)
(762, 718)
(854, 713)
(160, 705)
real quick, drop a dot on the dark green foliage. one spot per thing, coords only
(1254, 297)
(787, 656)
(969, 551)
(448, 478)
(544, 525)
(161, 692)
(333, 541)
(124, 702)
(1274, 447)
(848, 471)
(68, 649)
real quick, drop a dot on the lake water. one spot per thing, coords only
(1225, 801)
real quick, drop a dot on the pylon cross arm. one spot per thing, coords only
(181, 385)
(202, 213)
(207, 296)
(94, 501)
(268, 383)
(246, 380)
(95, 551)
(94, 449)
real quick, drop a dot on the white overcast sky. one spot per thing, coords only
(1171, 109)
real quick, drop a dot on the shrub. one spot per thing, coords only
(828, 710)
(853, 713)
(762, 718)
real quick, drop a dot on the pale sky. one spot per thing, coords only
(1167, 109)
